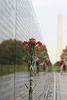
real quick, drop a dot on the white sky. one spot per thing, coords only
(47, 12)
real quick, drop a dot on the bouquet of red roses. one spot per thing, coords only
(32, 46)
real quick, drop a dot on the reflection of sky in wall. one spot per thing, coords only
(7, 20)
(47, 13)
(18, 20)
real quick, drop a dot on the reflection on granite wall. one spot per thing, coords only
(18, 22)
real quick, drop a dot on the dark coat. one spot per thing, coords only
(64, 67)
(37, 64)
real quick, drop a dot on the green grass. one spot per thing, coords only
(50, 68)
(8, 69)
(56, 68)
(47, 69)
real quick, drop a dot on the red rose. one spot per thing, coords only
(27, 50)
(29, 42)
(39, 43)
(29, 39)
(36, 49)
(25, 42)
(23, 46)
(35, 43)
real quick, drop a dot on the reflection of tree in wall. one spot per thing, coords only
(11, 52)
(64, 54)
(43, 54)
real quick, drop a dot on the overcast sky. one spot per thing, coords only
(47, 12)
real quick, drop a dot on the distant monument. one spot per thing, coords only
(59, 37)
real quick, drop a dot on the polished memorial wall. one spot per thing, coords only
(18, 23)
(26, 21)
(18, 20)
(7, 32)
(7, 19)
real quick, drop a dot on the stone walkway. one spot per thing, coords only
(49, 86)
(61, 86)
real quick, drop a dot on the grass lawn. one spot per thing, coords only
(51, 69)
(8, 69)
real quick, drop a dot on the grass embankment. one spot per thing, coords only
(8, 69)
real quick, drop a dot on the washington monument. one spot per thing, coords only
(59, 37)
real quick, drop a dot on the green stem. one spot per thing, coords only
(30, 90)
(31, 82)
